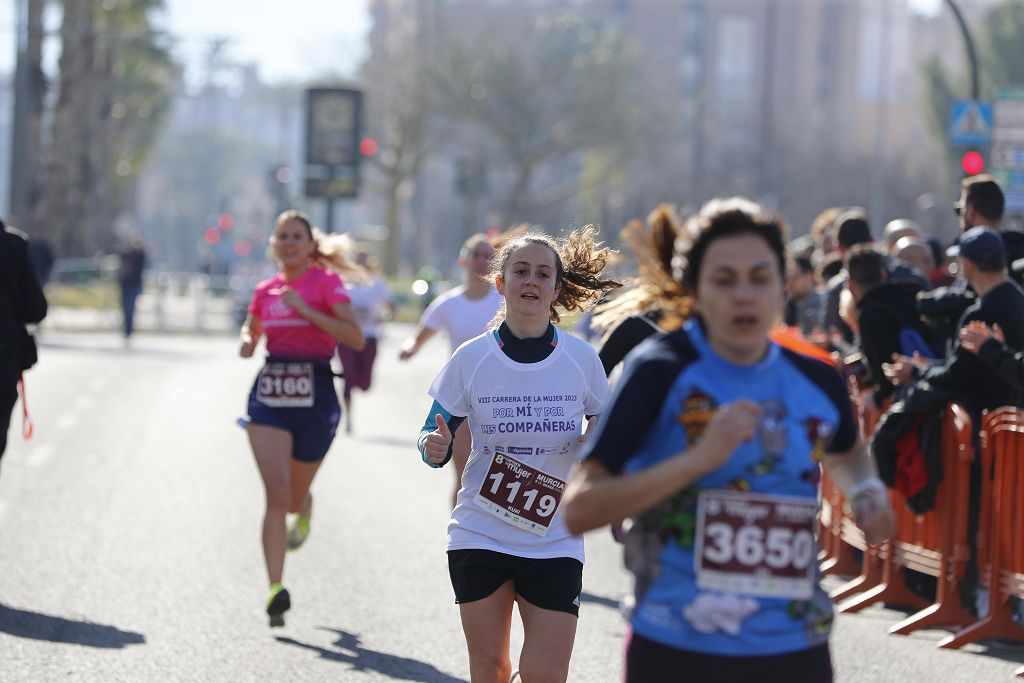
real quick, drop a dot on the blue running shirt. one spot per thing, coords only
(671, 386)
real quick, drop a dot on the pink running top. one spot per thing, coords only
(289, 335)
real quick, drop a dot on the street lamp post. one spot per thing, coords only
(972, 56)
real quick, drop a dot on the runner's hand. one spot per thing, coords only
(872, 512)
(586, 435)
(731, 425)
(293, 299)
(435, 449)
(247, 347)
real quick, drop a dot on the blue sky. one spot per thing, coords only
(297, 39)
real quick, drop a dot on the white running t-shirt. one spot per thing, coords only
(367, 302)
(461, 317)
(525, 419)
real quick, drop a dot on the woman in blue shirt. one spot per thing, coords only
(712, 444)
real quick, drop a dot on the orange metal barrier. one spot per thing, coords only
(934, 543)
(1002, 442)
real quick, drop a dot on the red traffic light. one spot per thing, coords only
(212, 236)
(368, 147)
(243, 248)
(972, 163)
(225, 221)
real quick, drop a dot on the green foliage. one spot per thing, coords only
(1000, 41)
(143, 73)
(1000, 49)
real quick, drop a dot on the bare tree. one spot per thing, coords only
(399, 110)
(564, 88)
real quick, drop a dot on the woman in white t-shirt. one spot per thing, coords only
(526, 389)
(370, 299)
(462, 312)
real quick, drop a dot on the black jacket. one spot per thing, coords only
(884, 312)
(922, 407)
(975, 383)
(21, 297)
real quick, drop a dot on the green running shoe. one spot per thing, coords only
(278, 603)
(298, 532)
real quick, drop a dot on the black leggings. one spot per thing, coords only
(651, 662)
(9, 376)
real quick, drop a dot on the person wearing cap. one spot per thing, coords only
(978, 386)
(981, 257)
(981, 203)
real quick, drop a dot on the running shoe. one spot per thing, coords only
(298, 532)
(516, 678)
(278, 603)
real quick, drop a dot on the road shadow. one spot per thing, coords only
(1006, 650)
(349, 651)
(599, 600)
(25, 624)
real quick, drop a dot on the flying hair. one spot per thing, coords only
(579, 263)
(653, 244)
(333, 251)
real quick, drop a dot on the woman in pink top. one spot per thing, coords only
(303, 311)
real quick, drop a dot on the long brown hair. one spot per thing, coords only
(579, 262)
(653, 244)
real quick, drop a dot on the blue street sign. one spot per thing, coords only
(971, 123)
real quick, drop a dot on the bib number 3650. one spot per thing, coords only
(286, 385)
(756, 544)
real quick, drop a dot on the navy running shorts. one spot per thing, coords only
(312, 428)
(554, 583)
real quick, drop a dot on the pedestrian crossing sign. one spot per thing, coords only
(971, 123)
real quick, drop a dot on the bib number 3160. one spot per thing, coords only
(286, 385)
(756, 544)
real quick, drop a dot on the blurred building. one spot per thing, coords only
(799, 104)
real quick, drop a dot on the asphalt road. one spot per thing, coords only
(129, 539)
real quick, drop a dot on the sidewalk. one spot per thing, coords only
(188, 314)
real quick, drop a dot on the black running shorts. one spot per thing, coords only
(648, 661)
(553, 584)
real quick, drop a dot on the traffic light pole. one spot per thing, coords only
(972, 56)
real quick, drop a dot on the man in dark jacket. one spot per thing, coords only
(887, 315)
(21, 302)
(982, 260)
(981, 203)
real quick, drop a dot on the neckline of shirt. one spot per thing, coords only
(494, 340)
(695, 332)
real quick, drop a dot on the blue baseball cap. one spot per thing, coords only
(981, 245)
